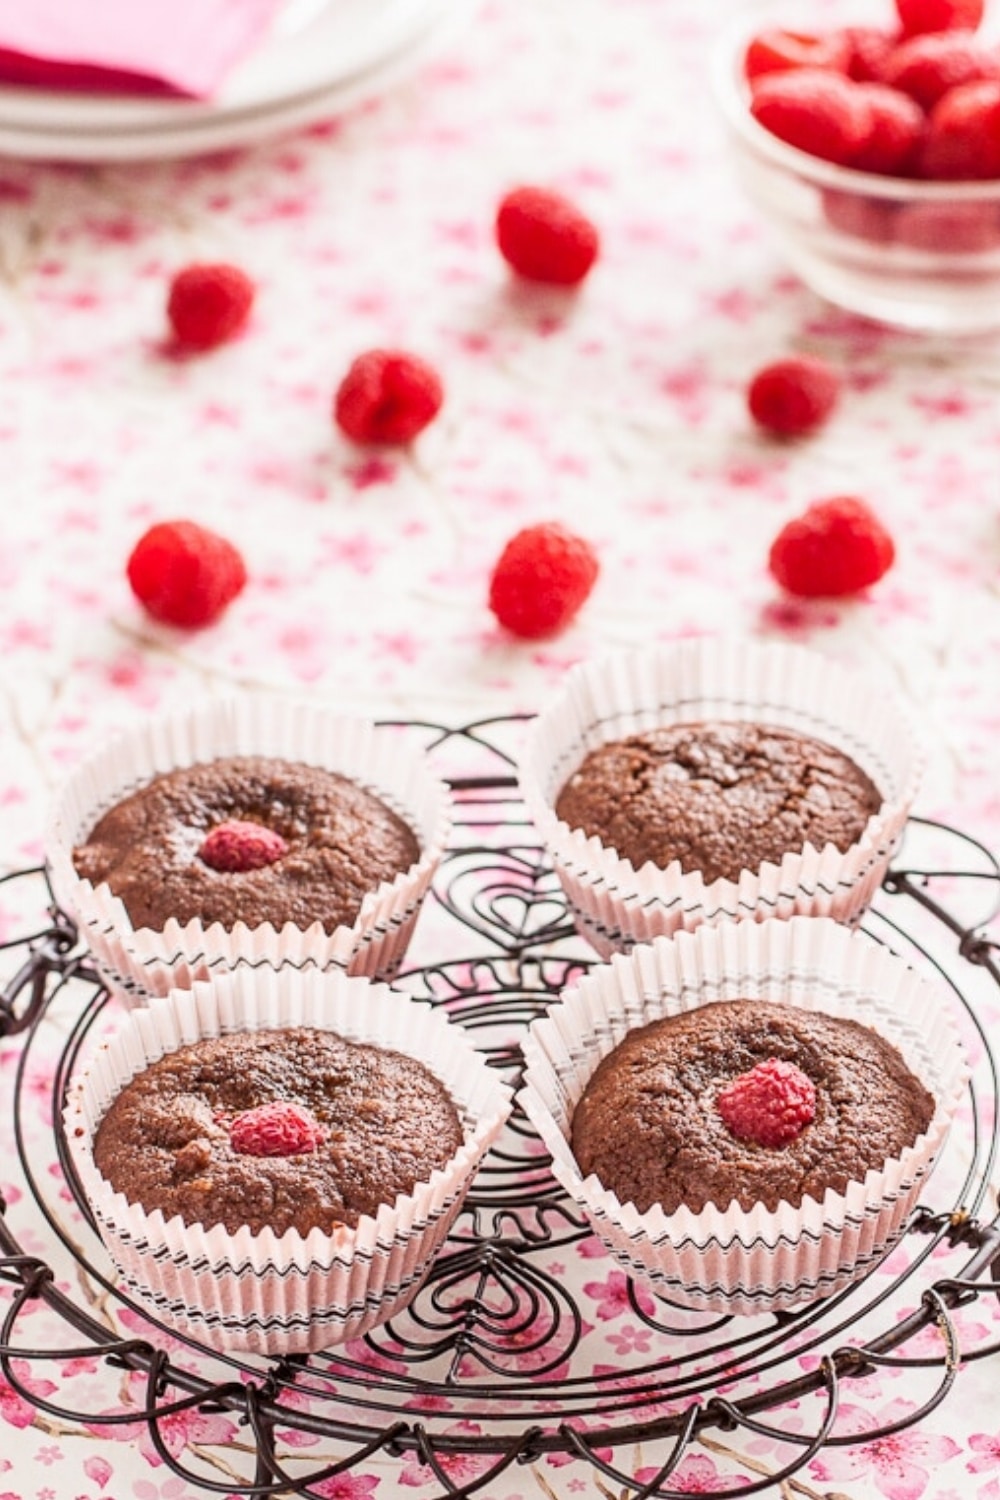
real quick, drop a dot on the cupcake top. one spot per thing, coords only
(250, 839)
(295, 1128)
(719, 797)
(745, 1101)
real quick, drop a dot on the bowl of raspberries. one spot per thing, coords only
(871, 148)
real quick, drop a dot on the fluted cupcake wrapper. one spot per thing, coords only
(715, 678)
(727, 1259)
(141, 961)
(264, 1292)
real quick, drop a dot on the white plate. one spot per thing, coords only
(314, 47)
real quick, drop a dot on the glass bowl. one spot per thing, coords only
(918, 255)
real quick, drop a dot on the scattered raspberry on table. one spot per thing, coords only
(795, 396)
(387, 396)
(544, 237)
(835, 548)
(238, 845)
(770, 1105)
(185, 574)
(280, 1128)
(208, 305)
(542, 577)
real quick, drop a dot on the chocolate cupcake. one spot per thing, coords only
(745, 1102)
(746, 1114)
(251, 831)
(717, 779)
(273, 1159)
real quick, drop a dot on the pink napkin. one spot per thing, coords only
(129, 46)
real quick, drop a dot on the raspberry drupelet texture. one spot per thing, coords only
(208, 304)
(963, 135)
(277, 1129)
(836, 547)
(544, 237)
(925, 68)
(815, 110)
(387, 396)
(185, 574)
(771, 1105)
(542, 577)
(774, 50)
(939, 15)
(795, 396)
(238, 845)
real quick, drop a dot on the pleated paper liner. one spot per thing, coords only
(726, 1259)
(141, 961)
(694, 681)
(269, 1293)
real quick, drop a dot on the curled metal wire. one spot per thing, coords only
(487, 1369)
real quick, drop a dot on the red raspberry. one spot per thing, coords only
(927, 67)
(545, 237)
(818, 112)
(863, 218)
(771, 1105)
(793, 396)
(939, 15)
(387, 396)
(963, 135)
(541, 579)
(835, 547)
(276, 1129)
(951, 228)
(208, 304)
(773, 51)
(896, 135)
(869, 52)
(238, 845)
(185, 574)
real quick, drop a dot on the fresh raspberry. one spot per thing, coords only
(835, 547)
(963, 135)
(387, 396)
(238, 845)
(208, 304)
(773, 51)
(545, 237)
(276, 1129)
(949, 228)
(793, 396)
(821, 113)
(896, 135)
(927, 67)
(939, 15)
(771, 1105)
(185, 574)
(869, 50)
(541, 579)
(861, 217)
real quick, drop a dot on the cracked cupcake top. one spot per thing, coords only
(650, 1126)
(381, 1123)
(719, 797)
(340, 842)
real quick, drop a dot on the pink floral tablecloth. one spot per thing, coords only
(618, 410)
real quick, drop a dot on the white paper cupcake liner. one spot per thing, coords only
(141, 962)
(726, 1259)
(288, 1293)
(717, 678)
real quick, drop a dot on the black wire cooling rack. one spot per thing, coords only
(495, 1364)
